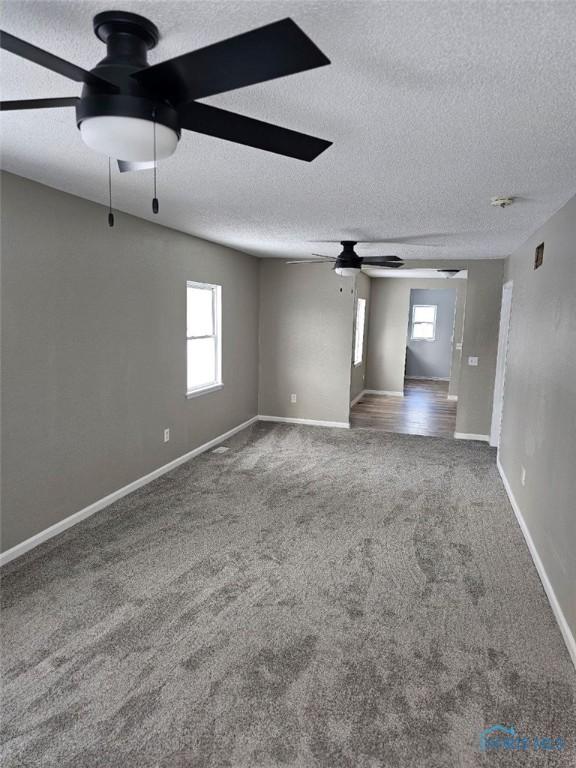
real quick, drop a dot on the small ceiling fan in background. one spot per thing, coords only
(134, 112)
(348, 263)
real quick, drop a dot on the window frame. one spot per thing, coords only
(423, 322)
(358, 361)
(217, 384)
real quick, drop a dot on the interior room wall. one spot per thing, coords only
(539, 415)
(94, 352)
(358, 372)
(432, 359)
(459, 314)
(479, 339)
(306, 321)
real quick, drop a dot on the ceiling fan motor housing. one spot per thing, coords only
(348, 256)
(101, 115)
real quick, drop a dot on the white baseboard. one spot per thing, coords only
(451, 397)
(76, 517)
(309, 422)
(428, 378)
(383, 392)
(471, 436)
(358, 397)
(569, 638)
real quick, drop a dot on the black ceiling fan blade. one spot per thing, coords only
(127, 165)
(387, 260)
(231, 126)
(65, 101)
(272, 51)
(49, 61)
(384, 264)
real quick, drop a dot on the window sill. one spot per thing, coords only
(203, 391)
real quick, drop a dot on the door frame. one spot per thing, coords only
(500, 376)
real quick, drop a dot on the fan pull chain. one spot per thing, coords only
(110, 214)
(155, 206)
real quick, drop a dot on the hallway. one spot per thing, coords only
(424, 410)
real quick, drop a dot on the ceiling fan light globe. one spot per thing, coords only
(128, 138)
(347, 271)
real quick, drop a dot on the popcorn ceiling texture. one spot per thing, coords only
(433, 108)
(312, 598)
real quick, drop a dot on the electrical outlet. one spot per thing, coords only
(166, 435)
(523, 476)
(472, 361)
(293, 398)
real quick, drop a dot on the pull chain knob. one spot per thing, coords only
(110, 214)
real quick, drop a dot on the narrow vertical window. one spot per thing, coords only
(359, 332)
(203, 337)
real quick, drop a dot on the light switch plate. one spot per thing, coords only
(293, 398)
(472, 361)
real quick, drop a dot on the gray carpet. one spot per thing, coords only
(313, 597)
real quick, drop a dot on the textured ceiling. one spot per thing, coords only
(433, 107)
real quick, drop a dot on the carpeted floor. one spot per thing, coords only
(313, 597)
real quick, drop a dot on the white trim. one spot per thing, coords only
(203, 390)
(383, 392)
(76, 517)
(500, 375)
(358, 397)
(451, 397)
(429, 378)
(216, 291)
(424, 322)
(309, 422)
(471, 436)
(569, 638)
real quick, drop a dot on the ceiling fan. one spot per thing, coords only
(348, 263)
(134, 112)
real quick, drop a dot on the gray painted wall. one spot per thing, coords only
(93, 364)
(306, 319)
(455, 366)
(480, 339)
(539, 417)
(432, 359)
(390, 298)
(358, 372)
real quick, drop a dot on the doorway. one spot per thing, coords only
(429, 361)
(414, 357)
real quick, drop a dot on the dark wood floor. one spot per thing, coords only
(424, 410)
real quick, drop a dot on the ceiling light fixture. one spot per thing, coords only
(347, 271)
(128, 138)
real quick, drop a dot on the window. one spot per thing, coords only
(424, 322)
(359, 333)
(203, 337)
